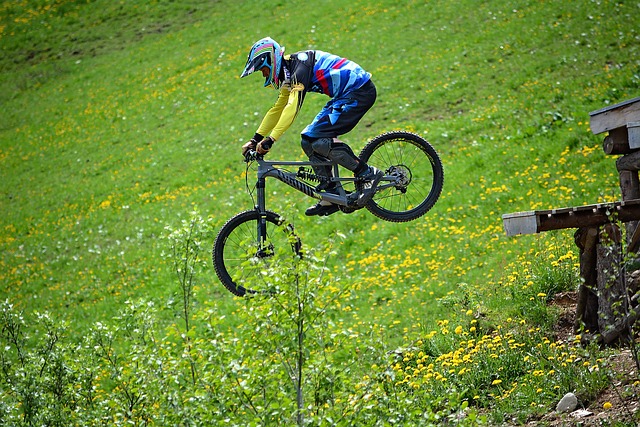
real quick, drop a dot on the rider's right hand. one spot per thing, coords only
(249, 146)
(251, 155)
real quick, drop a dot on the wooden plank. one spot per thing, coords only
(520, 223)
(532, 222)
(633, 129)
(634, 242)
(615, 116)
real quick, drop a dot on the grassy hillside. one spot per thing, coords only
(121, 118)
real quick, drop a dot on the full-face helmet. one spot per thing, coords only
(265, 52)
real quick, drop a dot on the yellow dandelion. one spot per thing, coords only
(607, 405)
(496, 382)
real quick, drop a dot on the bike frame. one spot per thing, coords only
(270, 168)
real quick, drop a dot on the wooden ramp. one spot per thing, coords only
(573, 217)
(608, 296)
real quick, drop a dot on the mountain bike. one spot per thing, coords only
(253, 240)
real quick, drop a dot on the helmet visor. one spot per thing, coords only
(257, 63)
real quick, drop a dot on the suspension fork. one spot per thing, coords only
(262, 210)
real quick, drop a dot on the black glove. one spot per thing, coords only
(248, 146)
(265, 145)
(251, 144)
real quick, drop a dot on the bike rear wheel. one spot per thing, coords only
(414, 176)
(242, 259)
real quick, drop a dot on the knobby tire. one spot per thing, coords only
(240, 260)
(416, 162)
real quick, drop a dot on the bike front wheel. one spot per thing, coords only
(242, 259)
(413, 180)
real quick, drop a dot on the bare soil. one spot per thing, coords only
(623, 395)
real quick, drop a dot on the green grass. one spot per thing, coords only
(120, 118)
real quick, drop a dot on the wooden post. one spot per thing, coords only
(587, 305)
(630, 162)
(628, 167)
(630, 190)
(612, 302)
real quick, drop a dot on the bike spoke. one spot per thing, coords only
(414, 173)
(242, 261)
(414, 159)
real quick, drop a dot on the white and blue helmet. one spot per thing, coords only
(265, 52)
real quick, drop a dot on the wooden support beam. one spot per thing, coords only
(617, 142)
(630, 162)
(612, 303)
(630, 188)
(634, 241)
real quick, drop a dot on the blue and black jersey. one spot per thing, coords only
(314, 71)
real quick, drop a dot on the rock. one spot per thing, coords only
(568, 403)
(581, 413)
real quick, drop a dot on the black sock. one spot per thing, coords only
(362, 167)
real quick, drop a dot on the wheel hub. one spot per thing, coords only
(402, 176)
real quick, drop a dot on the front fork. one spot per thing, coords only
(262, 211)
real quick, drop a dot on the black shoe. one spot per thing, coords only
(321, 210)
(368, 188)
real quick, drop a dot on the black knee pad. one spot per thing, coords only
(322, 146)
(317, 146)
(331, 149)
(307, 146)
(343, 155)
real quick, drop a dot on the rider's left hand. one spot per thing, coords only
(265, 145)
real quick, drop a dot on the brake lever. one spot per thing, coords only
(252, 155)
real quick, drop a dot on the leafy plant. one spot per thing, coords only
(186, 243)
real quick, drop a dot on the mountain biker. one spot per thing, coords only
(352, 93)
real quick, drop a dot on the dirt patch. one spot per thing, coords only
(620, 403)
(564, 327)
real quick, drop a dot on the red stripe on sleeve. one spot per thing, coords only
(323, 81)
(339, 63)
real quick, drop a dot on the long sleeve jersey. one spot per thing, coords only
(310, 71)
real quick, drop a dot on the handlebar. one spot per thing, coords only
(252, 155)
